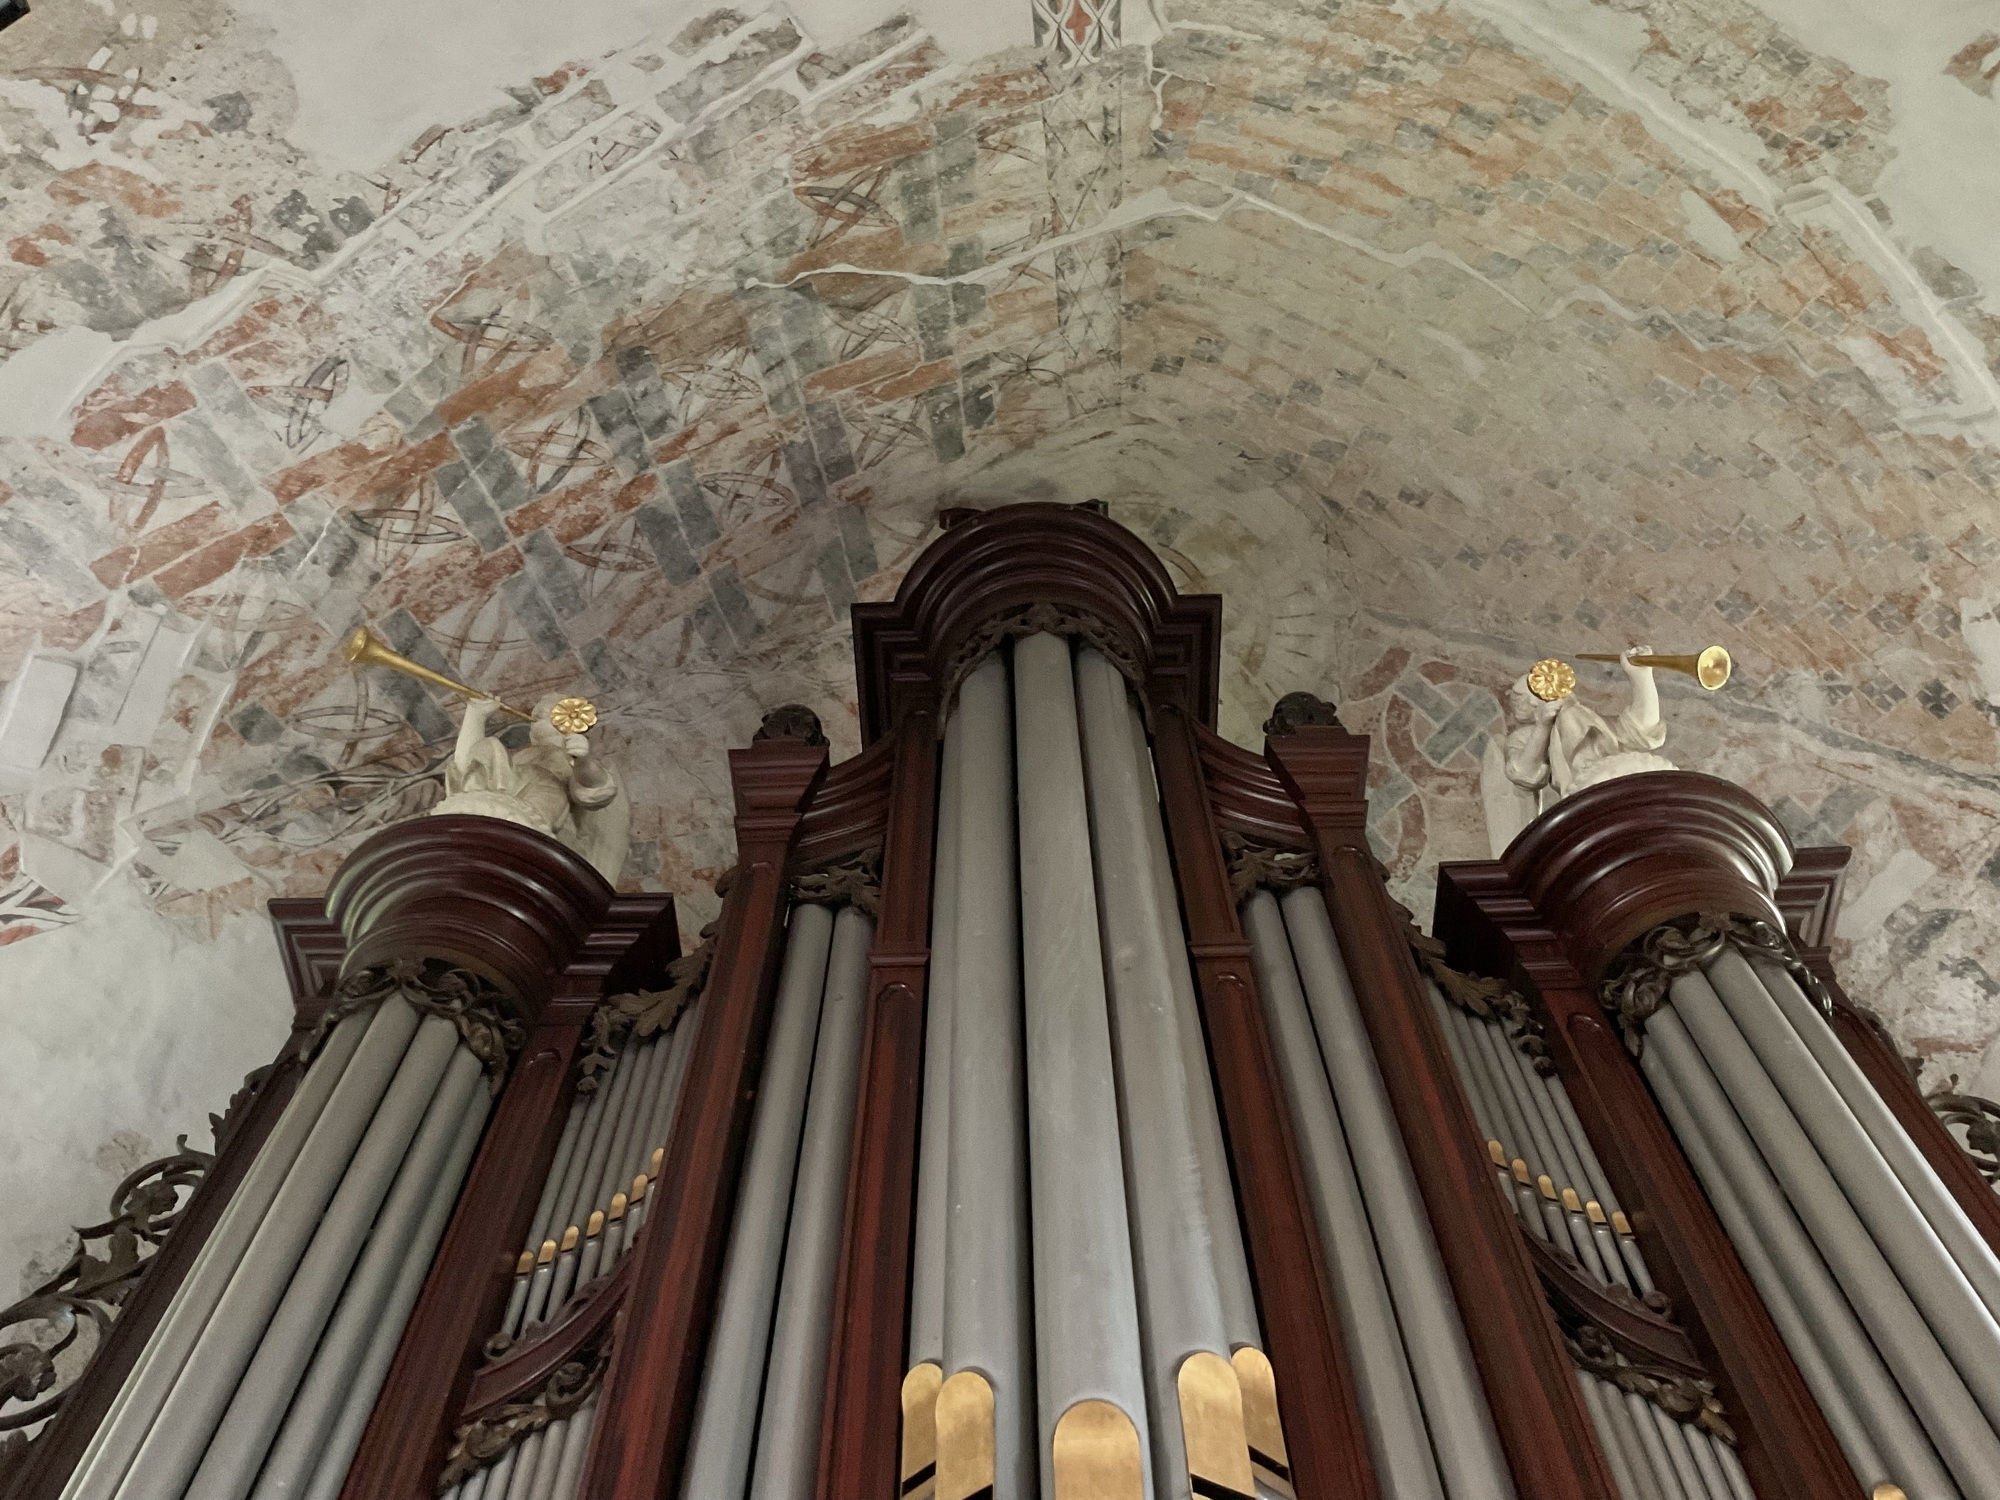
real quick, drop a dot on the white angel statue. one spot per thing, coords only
(1556, 748)
(553, 784)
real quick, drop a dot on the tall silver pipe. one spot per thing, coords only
(574, 1208)
(1625, 1436)
(788, 1431)
(145, 1389)
(1086, 1303)
(1180, 1302)
(1913, 1349)
(358, 1398)
(1864, 1407)
(616, 1174)
(576, 1449)
(1891, 1186)
(1976, 1258)
(1385, 1392)
(986, 1294)
(172, 1449)
(1639, 1419)
(545, 1206)
(243, 1437)
(1218, 1188)
(1609, 1438)
(724, 1426)
(682, 1045)
(927, 1266)
(366, 1304)
(1455, 1409)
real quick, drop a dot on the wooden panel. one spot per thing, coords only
(871, 1306)
(639, 1442)
(1550, 1441)
(1324, 1436)
(1490, 927)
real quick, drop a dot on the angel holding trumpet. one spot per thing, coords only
(1556, 744)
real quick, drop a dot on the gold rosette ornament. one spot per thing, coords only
(1551, 679)
(573, 715)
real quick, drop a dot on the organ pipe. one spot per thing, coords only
(1404, 1460)
(1454, 1403)
(788, 1428)
(719, 1458)
(987, 1300)
(1179, 1298)
(1086, 1303)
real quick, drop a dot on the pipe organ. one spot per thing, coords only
(1061, 1107)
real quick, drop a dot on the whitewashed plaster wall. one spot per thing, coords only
(220, 201)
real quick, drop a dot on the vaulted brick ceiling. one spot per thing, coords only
(1430, 344)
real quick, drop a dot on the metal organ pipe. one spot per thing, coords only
(1405, 1465)
(934, 1127)
(988, 1310)
(167, 1459)
(1232, 1265)
(1840, 1365)
(329, 1471)
(1089, 1364)
(131, 1415)
(1461, 1428)
(1903, 1228)
(788, 1431)
(1977, 1259)
(1180, 1302)
(725, 1426)
(422, 1182)
(1944, 1393)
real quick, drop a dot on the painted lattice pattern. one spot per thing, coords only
(1076, 31)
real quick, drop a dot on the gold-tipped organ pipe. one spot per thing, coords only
(364, 648)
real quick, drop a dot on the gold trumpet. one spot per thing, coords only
(365, 648)
(1553, 678)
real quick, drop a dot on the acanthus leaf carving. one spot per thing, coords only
(1036, 619)
(1488, 999)
(1296, 711)
(432, 987)
(1252, 864)
(1637, 983)
(477, 1444)
(853, 879)
(643, 1013)
(1980, 1120)
(87, 1294)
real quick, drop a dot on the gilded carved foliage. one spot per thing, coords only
(85, 1296)
(853, 879)
(1638, 982)
(477, 1444)
(1491, 1000)
(643, 1013)
(1685, 1398)
(432, 987)
(1296, 711)
(1036, 619)
(1252, 865)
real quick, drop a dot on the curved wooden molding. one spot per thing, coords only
(1640, 1333)
(528, 1363)
(1015, 557)
(1248, 796)
(495, 898)
(850, 811)
(1610, 863)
